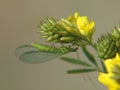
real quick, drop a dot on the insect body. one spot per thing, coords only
(38, 53)
(50, 49)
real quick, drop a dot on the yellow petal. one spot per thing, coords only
(91, 25)
(80, 22)
(108, 81)
(76, 14)
(109, 65)
(112, 78)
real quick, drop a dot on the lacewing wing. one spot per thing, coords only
(30, 54)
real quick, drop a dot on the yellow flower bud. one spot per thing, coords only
(85, 26)
(69, 27)
(79, 26)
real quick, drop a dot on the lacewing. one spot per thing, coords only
(38, 53)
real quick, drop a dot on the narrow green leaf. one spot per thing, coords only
(89, 55)
(75, 61)
(76, 71)
(103, 66)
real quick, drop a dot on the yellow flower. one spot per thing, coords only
(85, 26)
(112, 78)
(73, 19)
(70, 24)
(79, 26)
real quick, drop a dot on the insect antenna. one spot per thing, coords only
(78, 56)
(85, 75)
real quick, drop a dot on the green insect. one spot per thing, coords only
(38, 53)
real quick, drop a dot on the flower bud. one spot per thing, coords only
(106, 47)
(63, 33)
(56, 36)
(116, 32)
(67, 39)
(69, 27)
(85, 26)
(79, 26)
(50, 38)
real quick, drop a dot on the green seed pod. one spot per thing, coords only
(106, 47)
(67, 39)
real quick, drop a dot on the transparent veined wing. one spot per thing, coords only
(30, 54)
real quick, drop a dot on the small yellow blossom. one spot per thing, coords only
(112, 78)
(79, 25)
(70, 27)
(85, 26)
(73, 19)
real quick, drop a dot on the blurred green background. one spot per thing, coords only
(18, 25)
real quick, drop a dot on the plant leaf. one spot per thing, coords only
(76, 71)
(89, 56)
(103, 66)
(75, 61)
